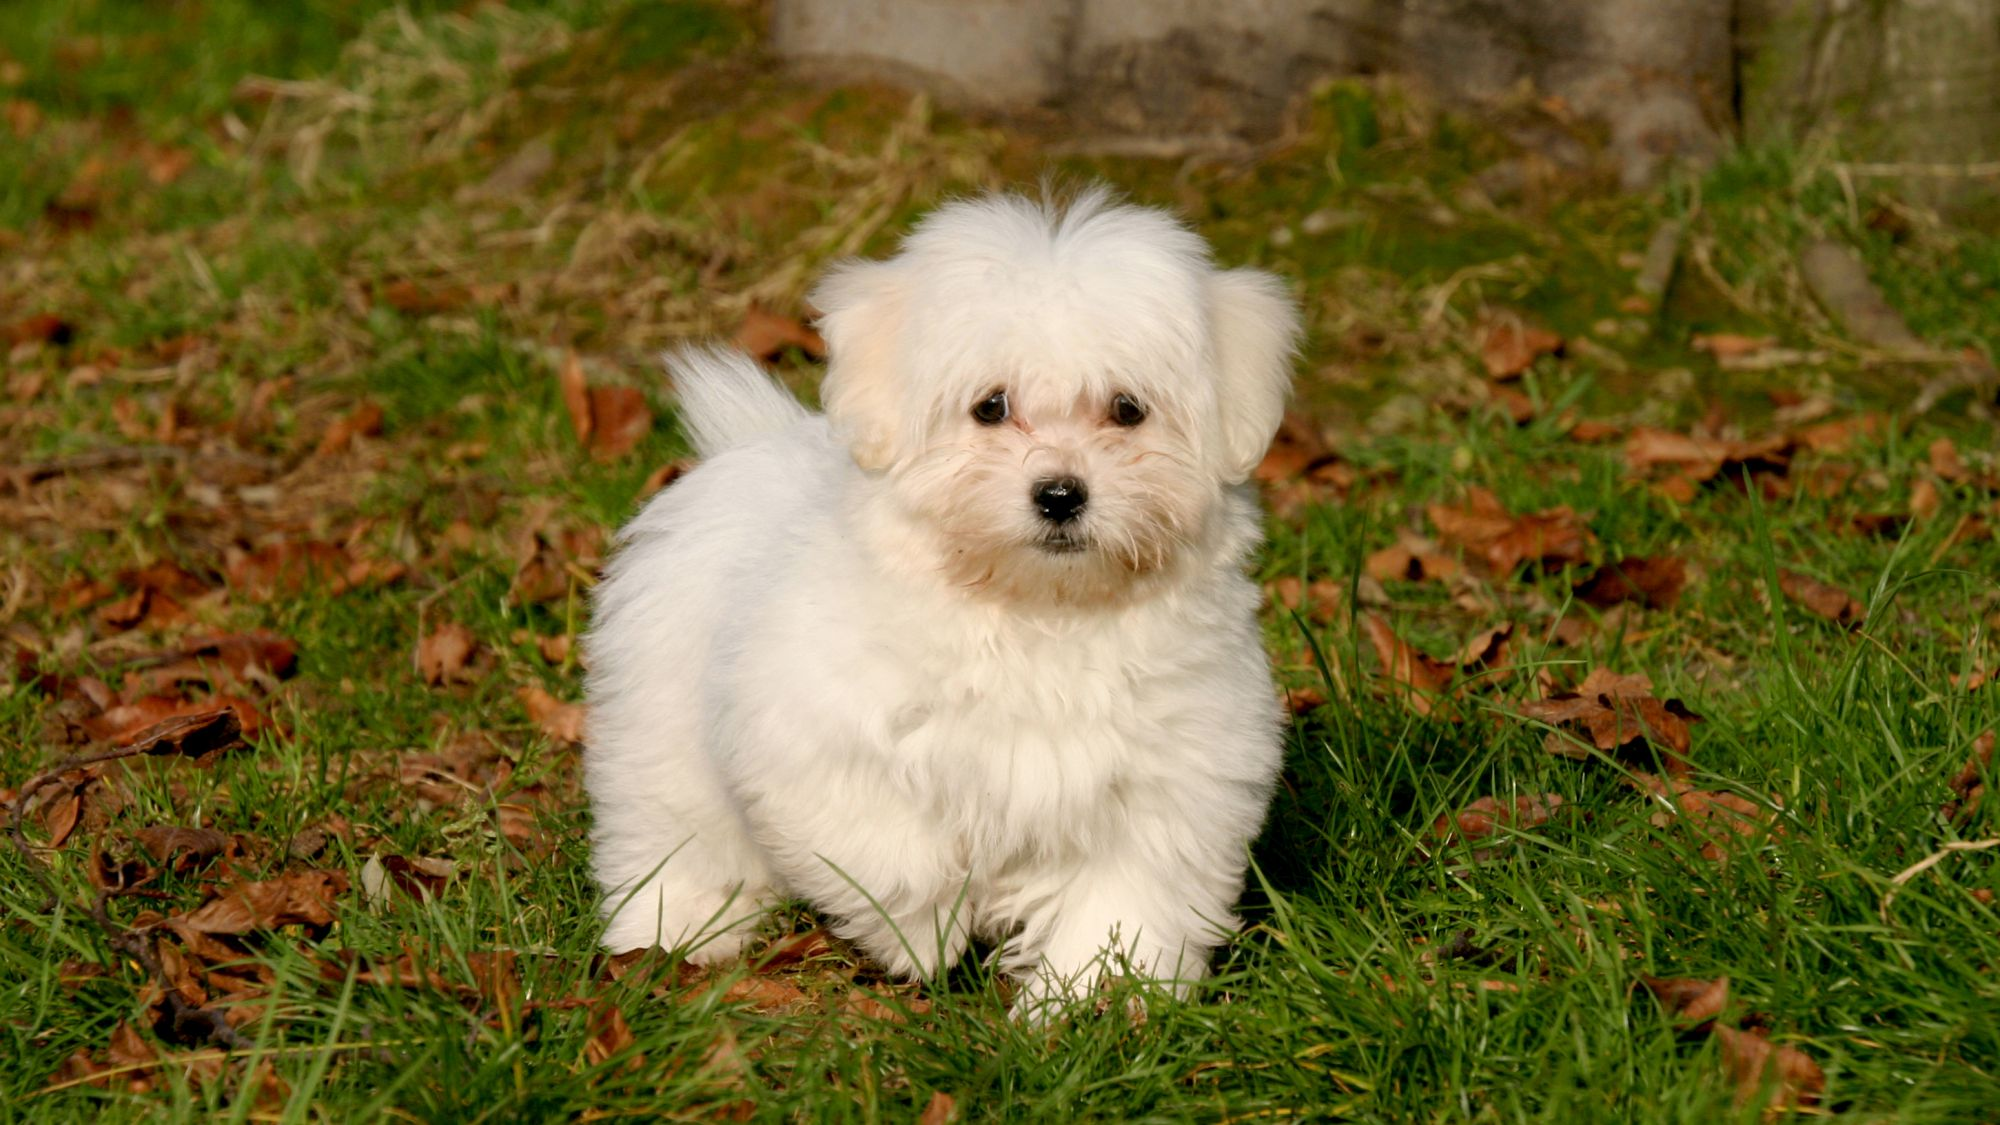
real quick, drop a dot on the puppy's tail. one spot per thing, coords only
(727, 400)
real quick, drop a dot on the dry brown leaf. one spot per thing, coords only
(288, 567)
(1653, 581)
(1730, 345)
(1619, 713)
(665, 475)
(188, 847)
(170, 725)
(576, 396)
(364, 421)
(445, 656)
(561, 721)
(1296, 446)
(610, 1036)
(940, 1109)
(1754, 1062)
(1830, 602)
(413, 298)
(1591, 432)
(1689, 999)
(620, 419)
(131, 1055)
(1925, 499)
(1489, 815)
(1719, 819)
(1422, 678)
(1509, 346)
(1946, 462)
(41, 328)
(1412, 559)
(1968, 787)
(766, 994)
(766, 335)
(609, 421)
(1486, 531)
(1695, 459)
(793, 949)
(294, 898)
(1839, 435)
(219, 661)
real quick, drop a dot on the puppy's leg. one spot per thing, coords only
(675, 860)
(1153, 914)
(888, 880)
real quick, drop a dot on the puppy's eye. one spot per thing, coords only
(1126, 411)
(991, 410)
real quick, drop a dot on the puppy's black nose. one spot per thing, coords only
(1060, 499)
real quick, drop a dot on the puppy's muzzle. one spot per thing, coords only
(1059, 499)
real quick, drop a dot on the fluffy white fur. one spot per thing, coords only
(849, 659)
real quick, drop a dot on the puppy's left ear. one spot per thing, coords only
(1255, 330)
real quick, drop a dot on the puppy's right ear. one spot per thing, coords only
(861, 309)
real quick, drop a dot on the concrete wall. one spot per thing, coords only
(1898, 80)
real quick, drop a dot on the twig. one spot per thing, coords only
(1928, 862)
(113, 457)
(1933, 171)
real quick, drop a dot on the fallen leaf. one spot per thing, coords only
(1411, 559)
(1730, 345)
(1422, 677)
(1295, 447)
(165, 163)
(1838, 436)
(41, 328)
(132, 1057)
(1719, 819)
(575, 395)
(620, 419)
(1490, 815)
(766, 994)
(1830, 602)
(1695, 460)
(445, 656)
(1321, 599)
(1655, 582)
(294, 898)
(1486, 531)
(288, 567)
(1968, 786)
(219, 661)
(364, 421)
(610, 1035)
(1946, 462)
(1509, 346)
(1754, 1062)
(1925, 499)
(1620, 713)
(1591, 432)
(766, 335)
(793, 949)
(189, 847)
(413, 298)
(940, 1109)
(561, 721)
(161, 724)
(609, 421)
(1689, 999)
(665, 475)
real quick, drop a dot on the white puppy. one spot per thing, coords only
(974, 653)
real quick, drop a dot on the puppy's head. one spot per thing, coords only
(1061, 395)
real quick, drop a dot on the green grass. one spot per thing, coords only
(1380, 976)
